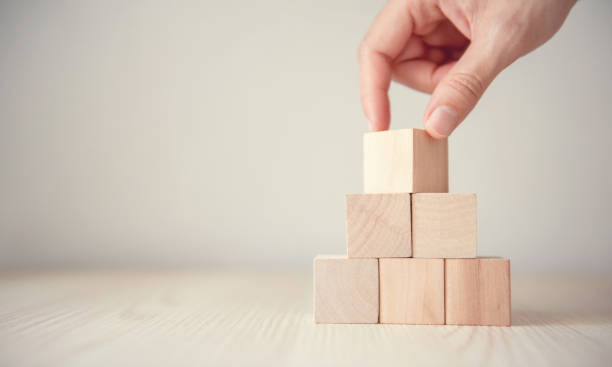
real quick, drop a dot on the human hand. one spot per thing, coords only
(451, 49)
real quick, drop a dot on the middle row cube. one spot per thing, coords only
(422, 225)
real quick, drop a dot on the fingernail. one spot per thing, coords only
(443, 120)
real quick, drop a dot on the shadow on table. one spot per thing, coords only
(539, 317)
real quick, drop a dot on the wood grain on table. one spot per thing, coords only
(230, 318)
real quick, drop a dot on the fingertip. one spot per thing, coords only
(382, 120)
(433, 133)
(378, 119)
(377, 111)
(378, 126)
(441, 122)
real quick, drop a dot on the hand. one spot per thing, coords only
(452, 49)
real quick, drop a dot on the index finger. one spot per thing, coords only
(383, 42)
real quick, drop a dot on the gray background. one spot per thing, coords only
(191, 133)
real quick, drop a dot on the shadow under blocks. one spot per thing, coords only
(411, 245)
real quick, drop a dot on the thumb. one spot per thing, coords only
(459, 91)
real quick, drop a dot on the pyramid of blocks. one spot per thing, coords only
(411, 245)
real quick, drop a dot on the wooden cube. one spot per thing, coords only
(407, 160)
(444, 225)
(412, 291)
(478, 291)
(345, 290)
(378, 225)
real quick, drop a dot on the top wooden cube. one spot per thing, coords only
(406, 160)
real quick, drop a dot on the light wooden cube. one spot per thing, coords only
(406, 160)
(345, 290)
(378, 225)
(412, 291)
(478, 291)
(444, 225)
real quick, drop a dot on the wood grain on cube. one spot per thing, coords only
(478, 291)
(412, 291)
(345, 290)
(406, 160)
(444, 225)
(378, 225)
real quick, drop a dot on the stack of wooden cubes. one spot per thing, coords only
(411, 245)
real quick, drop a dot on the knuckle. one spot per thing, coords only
(467, 84)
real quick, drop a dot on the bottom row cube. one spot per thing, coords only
(412, 291)
(346, 290)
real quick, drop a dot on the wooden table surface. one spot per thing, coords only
(232, 318)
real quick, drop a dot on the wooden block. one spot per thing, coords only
(345, 290)
(444, 225)
(378, 225)
(412, 291)
(478, 291)
(407, 160)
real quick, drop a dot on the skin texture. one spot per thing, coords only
(452, 49)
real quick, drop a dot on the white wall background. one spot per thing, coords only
(195, 133)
